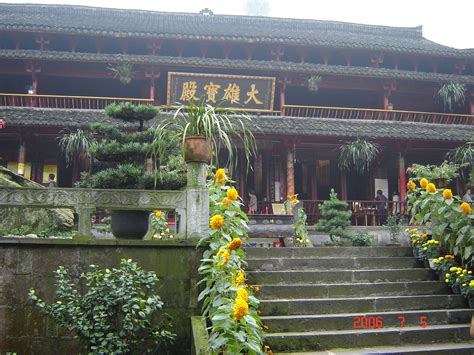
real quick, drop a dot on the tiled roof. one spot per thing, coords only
(260, 65)
(185, 26)
(267, 125)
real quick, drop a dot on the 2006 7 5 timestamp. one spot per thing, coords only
(377, 322)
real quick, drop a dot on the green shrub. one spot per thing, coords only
(335, 217)
(361, 239)
(164, 180)
(113, 314)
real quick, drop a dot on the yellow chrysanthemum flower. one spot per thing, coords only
(232, 194)
(241, 308)
(221, 177)
(235, 244)
(226, 201)
(447, 194)
(466, 208)
(217, 221)
(411, 185)
(238, 278)
(423, 183)
(223, 257)
(158, 214)
(431, 187)
(243, 293)
(449, 257)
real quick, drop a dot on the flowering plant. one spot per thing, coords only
(449, 219)
(300, 230)
(430, 249)
(457, 276)
(444, 263)
(291, 201)
(159, 225)
(467, 289)
(229, 304)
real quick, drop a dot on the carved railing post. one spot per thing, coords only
(84, 225)
(197, 201)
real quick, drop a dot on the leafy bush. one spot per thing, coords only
(300, 230)
(124, 176)
(130, 112)
(164, 180)
(113, 314)
(446, 171)
(335, 217)
(120, 152)
(361, 239)
(395, 227)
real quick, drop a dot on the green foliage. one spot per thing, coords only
(446, 171)
(129, 112)
(221, 129)
(395, 226)
(164, 180)
(357, 155)
(451, 95)
(448, 223)
(300, 230)
(113, 313)
(159, 226)
(223, 276)
(464, 157)
(313, 82)
(123, 176)
(114, 151)
(75, 144)
(123, 72)
(361, 239)
(335, 217)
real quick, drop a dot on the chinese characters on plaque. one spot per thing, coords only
(229, 91)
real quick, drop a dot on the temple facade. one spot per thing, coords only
(309, 86)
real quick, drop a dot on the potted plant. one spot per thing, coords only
(119, 162)
(430, 251)
(357, 155)
(467, 289)
(204, 129)
(395, 227)
(457, 277)
(123, 72)
(451, 95)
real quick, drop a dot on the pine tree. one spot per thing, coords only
(335, 217)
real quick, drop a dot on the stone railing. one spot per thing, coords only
(191, 205)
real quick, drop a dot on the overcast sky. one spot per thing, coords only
(449, 22)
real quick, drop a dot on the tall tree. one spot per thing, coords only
(257, 8)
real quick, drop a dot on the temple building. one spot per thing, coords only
(309, 86)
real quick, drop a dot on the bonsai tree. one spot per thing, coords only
(335, 217)
(357, 155)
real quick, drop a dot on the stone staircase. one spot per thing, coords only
(327, 300)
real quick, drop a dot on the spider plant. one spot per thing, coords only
(123, 72)
(77, 144)
(222, 128)
(451, 95)
(463, 156)
(357, 155)
(313, 82)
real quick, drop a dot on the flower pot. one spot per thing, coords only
(432, 264)
(415, 252)
(197, 149)
(129, 224)
(426, 264)
(456, 290)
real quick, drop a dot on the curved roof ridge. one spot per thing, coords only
(304, 24)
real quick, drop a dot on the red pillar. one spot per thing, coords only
(402, 177)
(290, 171)
(282, 96)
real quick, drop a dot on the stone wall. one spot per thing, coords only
(30, 263)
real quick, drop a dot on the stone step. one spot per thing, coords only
(345, 321)
(463, 348)
(302, 341)
(353, 289)
(315, 252)
(362, 304)
(333, 263)
(339, 276)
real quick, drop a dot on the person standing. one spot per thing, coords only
(381, 207)
(396, 204)
(51, 182)
(467, 196)
(252, 202)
